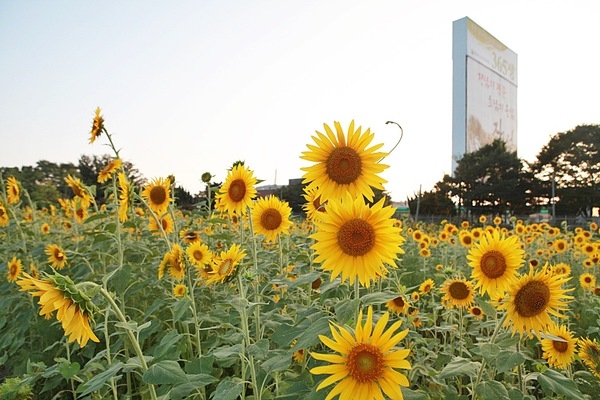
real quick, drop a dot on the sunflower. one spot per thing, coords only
(398, 305)
(79, 190)
(313, 206)
(533, 299)
(56, 256)
(271, 217)
(559, 351)
(189, 236)
(79, 210)
(225, 265)
(458, 293)
(482, 219)
(495, 260)
(166, 222)
(497, 221)
(237, 192)
(587, 281)
(3, 215)
(425, 253)
(13, 190)
(73, 306)
(415, 296)
(476, 312)
(179, 290)
(426, 286)
(589, 351)
(367, 362)
(97, 126)
(45, 228)
(561, 269)
(199, 254)
(158, 195)
(15, 267)
(344, 164)
(465, 238)
(109, 170)
(124, 196)
(560, 245)
(355, 240)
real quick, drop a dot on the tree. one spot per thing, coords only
(435, 202)
(571, 162)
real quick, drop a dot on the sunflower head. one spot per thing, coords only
(109, 169)
(271, 217)
(559, 346)
(97, 126)
(589, 351)
(15, 267)
(158, 195)
(56, 256)
(225, 266)
(344, 163)
(13, 190)
(458, 293)
(179, 290)
(237, 192)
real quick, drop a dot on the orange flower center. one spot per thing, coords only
(532, 299)
(344, 165)
(356, 237)
(459, 290)
(561, 347)
(270, 219)
(237, 190)
(493, 264)
(365, 363)
(158, 195)
(467, 240)
(198, 255)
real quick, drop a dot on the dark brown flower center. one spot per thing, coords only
(158, 195)
(467, 240)
(459, 290)
(532, 299)
(399, 301)
(270, 219)
(237, 190)
(344, 165)
(476, 311)
(164, 223)
(198, 255)
(13, 269)
(356, 237)
(560, 346)
(58, 255)
(365, 363)
(493, 264)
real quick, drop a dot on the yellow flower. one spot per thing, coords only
(175, 262)
(13, 190)
(344, 164)
(313, 206)
(158, 195)
(74, 308)
(271, 217)
(367, 362)
(97, 126)
(109, 169)
(355, 240)
(124, 196)
(199, 254)
(495, 261)
(79, 190)
(56, 256)
(189, 236)
(426, 286)
(166, 222)
(45, 228)
(476, 312)
(225, 264)
(179, 290)
(589, 351)
(15, 267)
(587, 281)
(237, 192)
(559, 351)
(398, 305)
(458, 293)
(533, 300)
(3, 215)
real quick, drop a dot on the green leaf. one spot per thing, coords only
(515, 394)
(310, 337)
(556, 382)
(227, 351)
(197, 381)
(202, 365)
(68, 370)
(277, 363)
(346, 309)
(507, 360)
(489, 351)
(167, 345)
(180, 308)
(164, 372)
(460, 367)
(377, 298)
(259, 349)
(410, 394)
(228, 389)
(99, 380)
(487, 308)
(492, 390)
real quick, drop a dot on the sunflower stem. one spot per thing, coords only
(482, 367)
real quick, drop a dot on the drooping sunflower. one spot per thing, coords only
(533, 300)
(426, 286)
(73, 306)
(313, 206)
(199, 254)
(124, 196)
(3, 215)
(458, 293)
(495, 260)
(587, 281)
(15, 267)
(174, 262)
(189, 235)
(79, 189)
(97, 126)
(56, 256)
(179, 290)
(79, 209)
(559, 353)
(271, 217)
(237, 192)
(225, 265)
(13, 190)
(355, 240)
(109, 169)
(398, 305)
(367, 362)
(589, 351)
(158, 195)
(344, 164)
(476, 312)
(166, 222)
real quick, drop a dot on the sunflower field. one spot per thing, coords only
(241, 299)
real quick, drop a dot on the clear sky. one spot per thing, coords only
(192, 86)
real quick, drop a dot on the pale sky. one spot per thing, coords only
(192, 86)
